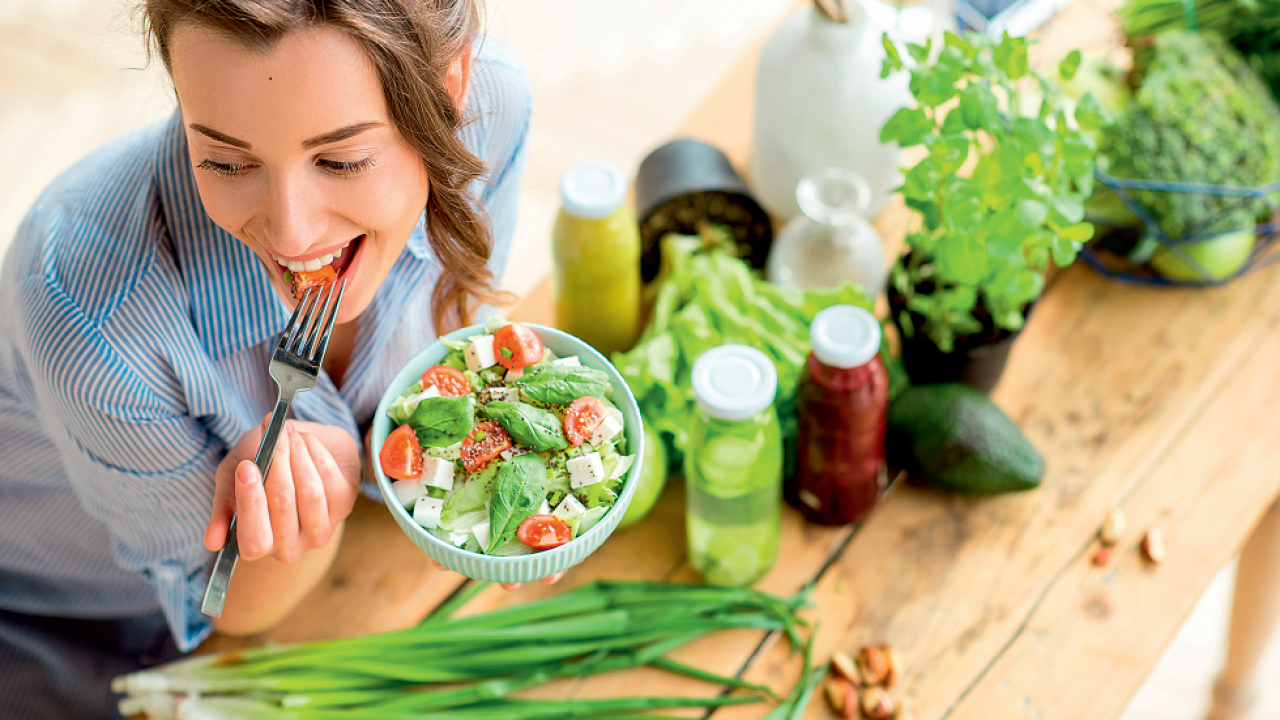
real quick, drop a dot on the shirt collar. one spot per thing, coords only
(233, 306)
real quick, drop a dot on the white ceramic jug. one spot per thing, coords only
(820, 102)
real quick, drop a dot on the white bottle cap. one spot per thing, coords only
(844, 336)
(592, 189)
(734, 382)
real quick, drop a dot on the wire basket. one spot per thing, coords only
(1112, 250)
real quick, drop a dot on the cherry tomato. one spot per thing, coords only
(303, 279)
(516, 346)
(448, 380)
(401, 455)
(543, 532)
(582, 418)
(478, 453)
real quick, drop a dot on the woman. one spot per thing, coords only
(144, 293)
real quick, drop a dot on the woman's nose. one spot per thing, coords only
(294, 215)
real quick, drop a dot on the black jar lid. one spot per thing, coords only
(687, 182)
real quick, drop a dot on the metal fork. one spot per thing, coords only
(295, 365)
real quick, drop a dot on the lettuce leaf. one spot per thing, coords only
(706, 296)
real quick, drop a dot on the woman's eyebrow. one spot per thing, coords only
(220, 137)
(340, 134)
(329, 137)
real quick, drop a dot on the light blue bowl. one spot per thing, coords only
(519, 568)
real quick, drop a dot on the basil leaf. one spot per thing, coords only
(560, 384)
(518, 491)
(530, 426)
(443, 421)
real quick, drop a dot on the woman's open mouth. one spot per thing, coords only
(302, 275)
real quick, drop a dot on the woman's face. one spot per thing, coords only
(295, 155)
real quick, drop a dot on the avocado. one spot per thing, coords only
(960, 441)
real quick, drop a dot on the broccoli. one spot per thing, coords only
(1200, 115)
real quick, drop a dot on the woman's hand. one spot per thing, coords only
(310, 489)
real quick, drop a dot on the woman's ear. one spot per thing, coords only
(456, 79)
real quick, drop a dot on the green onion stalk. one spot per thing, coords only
(456, 668)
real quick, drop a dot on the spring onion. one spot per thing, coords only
(456, 668)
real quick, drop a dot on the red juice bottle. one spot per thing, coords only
(842, 403)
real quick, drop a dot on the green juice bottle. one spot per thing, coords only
(595, 243)
(733, 467)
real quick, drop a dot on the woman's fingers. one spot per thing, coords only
(309, 491)
(224, 488)
(224, 507)
(253, 521)
(339, 490)
(282, 501)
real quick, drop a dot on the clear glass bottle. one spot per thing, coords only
(830, 242)
(842, 407)
(595, 243)
(733, 467)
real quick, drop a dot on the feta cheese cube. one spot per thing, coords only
(545, 509)
(585, 470)
(459, 538)
(571, 361)
(607, 430)
(569, 508)
(481, 532)
(479, 354)
(426, 512)
(450, 452)
(408, 491)
(504, 394)
(437, 472)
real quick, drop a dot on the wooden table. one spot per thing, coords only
(1159, 402)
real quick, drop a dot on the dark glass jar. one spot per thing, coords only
(842, 404)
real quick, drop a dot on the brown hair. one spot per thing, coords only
(412, 43)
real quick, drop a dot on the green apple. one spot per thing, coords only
(653, 477)
(1221, 257)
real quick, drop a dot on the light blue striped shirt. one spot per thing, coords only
(134, 341)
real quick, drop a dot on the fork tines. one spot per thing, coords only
(307, 334)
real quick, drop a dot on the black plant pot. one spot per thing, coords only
(977, 360)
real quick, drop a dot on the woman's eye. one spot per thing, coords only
(224, 169)
(338, 167)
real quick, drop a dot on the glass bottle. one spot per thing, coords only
(842, 405)
(733, 467)
(830, 242)
(595, 244)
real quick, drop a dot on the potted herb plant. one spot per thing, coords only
(1000, 195)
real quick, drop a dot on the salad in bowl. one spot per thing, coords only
(507, 451)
